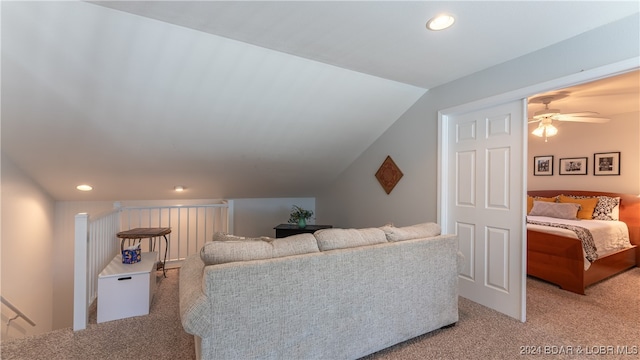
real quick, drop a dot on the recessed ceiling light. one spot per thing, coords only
(84, 187)
(178, 188)
(440, 22)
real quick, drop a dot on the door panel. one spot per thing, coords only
(498, 178)
(466, 194)
(497, 259)
(466, 243)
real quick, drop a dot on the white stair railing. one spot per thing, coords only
(17, 311)
(190, 227)
(95, 246)
(96, 242)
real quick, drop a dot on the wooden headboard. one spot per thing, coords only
(629, 208)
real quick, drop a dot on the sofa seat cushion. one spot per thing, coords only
(418, 231)
(229, 248)
(334, 238)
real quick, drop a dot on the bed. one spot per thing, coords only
(560, 260)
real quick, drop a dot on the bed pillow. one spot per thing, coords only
(607, 208)
(530, 200)
(567, 211)
(587, 205)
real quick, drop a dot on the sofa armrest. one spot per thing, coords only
(195, 310)
(461, 264)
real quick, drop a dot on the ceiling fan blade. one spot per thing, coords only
(531, 121)
(594, 120)
(584, 113)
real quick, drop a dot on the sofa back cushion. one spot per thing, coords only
(229, 248)
(334, 238)
(417, 231)
(294, 245)
(221, 236)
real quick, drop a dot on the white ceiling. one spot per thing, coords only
(608, 97)
(612, 98)
(388, 38)
(238, 99)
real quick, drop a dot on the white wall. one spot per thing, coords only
(583, 140)
(258, 217)
(355, 199)
(27, 248)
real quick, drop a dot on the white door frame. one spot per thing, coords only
(443, 187)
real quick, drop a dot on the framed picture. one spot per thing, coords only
(543, 165)
(606, 163)
(573, 166)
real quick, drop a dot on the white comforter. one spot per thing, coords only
(608, 236)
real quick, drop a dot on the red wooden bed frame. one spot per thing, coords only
(560, 260)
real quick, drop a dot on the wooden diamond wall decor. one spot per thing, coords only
(388, 174)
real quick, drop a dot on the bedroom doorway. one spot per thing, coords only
(604, 112)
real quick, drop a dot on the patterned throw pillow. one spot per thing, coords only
(606, 208)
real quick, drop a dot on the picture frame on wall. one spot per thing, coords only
(543, 165)
(573, 166)
(606, 163)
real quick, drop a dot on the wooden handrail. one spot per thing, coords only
(17, 311)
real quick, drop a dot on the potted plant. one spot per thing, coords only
(299, 216)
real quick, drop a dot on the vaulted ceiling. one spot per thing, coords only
(238, 99)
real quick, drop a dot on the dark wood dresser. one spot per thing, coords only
(284, 230)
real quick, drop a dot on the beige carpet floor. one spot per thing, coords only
(560, 325)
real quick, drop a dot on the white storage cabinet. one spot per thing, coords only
(126, 290)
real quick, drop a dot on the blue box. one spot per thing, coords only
(131, 256)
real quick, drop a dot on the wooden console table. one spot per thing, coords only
(150, 233)
(284, 230)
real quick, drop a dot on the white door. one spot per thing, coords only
(483, 193)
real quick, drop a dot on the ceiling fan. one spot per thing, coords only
(546, 116)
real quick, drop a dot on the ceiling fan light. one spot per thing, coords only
(551, 130)
(545, 129)
(539, 131)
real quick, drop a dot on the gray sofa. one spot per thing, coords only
(335, 294)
